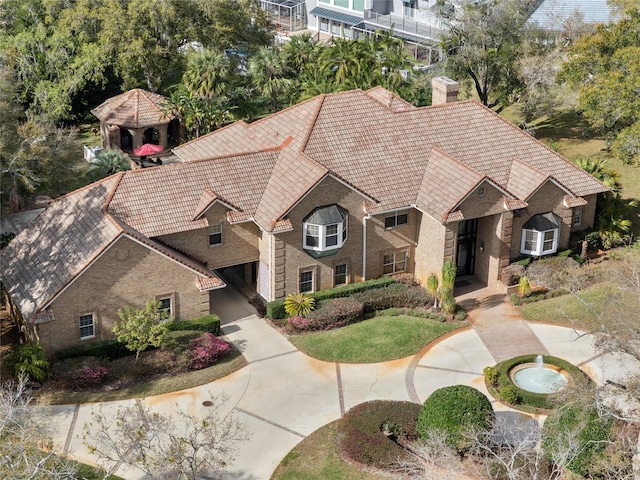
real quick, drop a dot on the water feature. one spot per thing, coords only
(538, 377)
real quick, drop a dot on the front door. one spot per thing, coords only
(466, 251)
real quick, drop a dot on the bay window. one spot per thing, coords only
(325, 230)
(540, 235)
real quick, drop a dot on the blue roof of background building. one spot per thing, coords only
(552, 14)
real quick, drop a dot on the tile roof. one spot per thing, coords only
(162, 200)
(136, 108)
(445, 183)
(395, 155)
(57, 245)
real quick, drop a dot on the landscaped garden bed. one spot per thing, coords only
(374, 321)
(500, 383)
(190, 355)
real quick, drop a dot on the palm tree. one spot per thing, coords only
(302, 52)
(106, 163)
(268, 72)
(343, 58)
(207, 74)
(598, 168)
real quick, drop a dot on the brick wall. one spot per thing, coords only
(239, 241)
(289, 255)
(430, 250)
(549, 198)
(126, 274)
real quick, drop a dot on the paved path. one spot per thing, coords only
(283, 395)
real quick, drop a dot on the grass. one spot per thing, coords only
(566, 308)
(86, 135)
(376, 340)
(87, 472)
(315, 458)
(234, 361)
(569, 134)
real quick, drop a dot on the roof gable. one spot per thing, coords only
(58, 245)
(445, 184)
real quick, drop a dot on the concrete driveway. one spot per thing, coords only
(283, 395)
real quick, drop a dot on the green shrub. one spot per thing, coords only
(594, 240)
(331, 313)
(109, 349)
(395, 295)
(352, 288)
(460, 315)
(453, 410)
(490, 376)
(565, 253)
(29, 359)
(576, 422)
(299, 304)
(360, 432)
(276, 310)
(207, 323)
(449, 305)
(398, 311)
(509, 394)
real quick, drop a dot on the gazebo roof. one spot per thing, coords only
(136, 108)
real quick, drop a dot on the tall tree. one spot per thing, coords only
(163, 448)
(268, 70)
(483, 43)
(604, 67)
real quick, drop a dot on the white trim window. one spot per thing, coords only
(306, 281)
(540, 235)
(215, 235)
(167, 305)
(325, 229)
(87, 326)
(396, 219)
(394, 262)
(577, 216)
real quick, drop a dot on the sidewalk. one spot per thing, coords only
(283, 396)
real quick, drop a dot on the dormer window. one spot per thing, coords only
(325, 230)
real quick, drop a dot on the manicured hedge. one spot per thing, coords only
(207, 323)
(396, 295)
(453, 410)
(276, 311)
(361, 437)
(111, 349)
(538, 400)
(571, 423)
(330, 313)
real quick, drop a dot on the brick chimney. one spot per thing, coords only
(444, 90)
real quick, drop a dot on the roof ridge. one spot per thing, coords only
(228, 126)
(314, 119)
(393, 97)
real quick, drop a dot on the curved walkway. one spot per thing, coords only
(283, 395)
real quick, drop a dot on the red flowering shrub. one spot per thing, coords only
(332, 313)
(206, 350)
(93, 374)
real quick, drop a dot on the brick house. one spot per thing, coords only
(334, 190)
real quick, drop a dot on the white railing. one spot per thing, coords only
(403, 25)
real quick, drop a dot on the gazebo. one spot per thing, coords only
(134, 118)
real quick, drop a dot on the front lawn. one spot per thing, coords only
(315, 458)
(376, 340)
(569, 309)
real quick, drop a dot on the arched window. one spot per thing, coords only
(325, 230)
